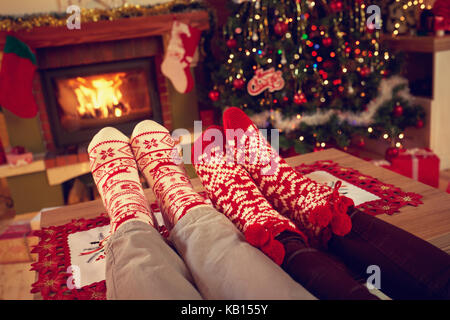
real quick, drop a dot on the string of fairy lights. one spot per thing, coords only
(407, 5)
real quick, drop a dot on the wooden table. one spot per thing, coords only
(429, 221)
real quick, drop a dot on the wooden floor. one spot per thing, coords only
(16, 279)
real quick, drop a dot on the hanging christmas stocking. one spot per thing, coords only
(233, 192)
(155, 154)
(179, 54)
(116, 175)
(312, 206)
(16, 78)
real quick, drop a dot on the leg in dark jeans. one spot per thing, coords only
(411, 268)
(319, 273)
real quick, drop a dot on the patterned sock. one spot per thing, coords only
(312, 206)
(233, 192)
(155, 153)
(116, 175)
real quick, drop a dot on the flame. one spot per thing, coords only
(99, 96)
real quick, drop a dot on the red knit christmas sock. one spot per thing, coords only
(155, 153)
(233, 192)
(311, 205)
(116, 175)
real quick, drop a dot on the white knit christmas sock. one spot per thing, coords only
(234, 193)
(155, 152)
(115, 173)
(179, 55)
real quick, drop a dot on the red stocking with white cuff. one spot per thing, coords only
(233, 192)
(179, 55)
(312, 206)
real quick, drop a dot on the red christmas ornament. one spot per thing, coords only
(214, 95)
(365, 71)
(327, 41)
(231, 43)
(336, 6)
(238, 84)
(391, 153)
(370, 29)
(280, 28)
(299, 98)
(398, 110)
(419, 124)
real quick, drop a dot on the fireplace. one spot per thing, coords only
(81, 100)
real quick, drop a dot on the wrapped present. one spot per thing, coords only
(419, 164)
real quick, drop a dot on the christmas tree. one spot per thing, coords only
(315, 70)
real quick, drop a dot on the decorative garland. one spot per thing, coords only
(57, 19)
(365, 118)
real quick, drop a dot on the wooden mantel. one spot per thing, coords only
(125, 28)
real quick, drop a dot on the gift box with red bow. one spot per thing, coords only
(418, 164)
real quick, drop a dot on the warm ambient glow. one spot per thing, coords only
(99, 96)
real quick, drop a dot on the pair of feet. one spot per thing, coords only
(253, 186)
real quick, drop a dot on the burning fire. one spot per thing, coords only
(100, 96)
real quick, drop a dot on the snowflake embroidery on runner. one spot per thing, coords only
(151, 144)
(107, 153)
